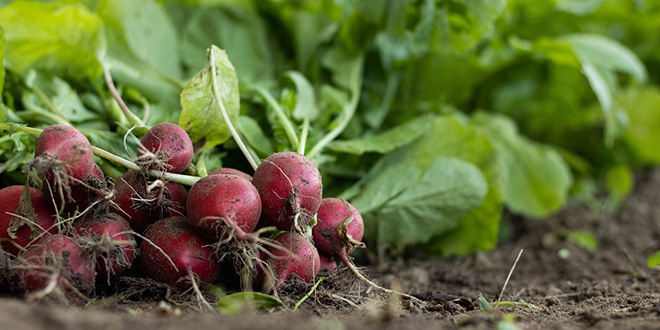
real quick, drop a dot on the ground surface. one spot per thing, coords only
(611, 288)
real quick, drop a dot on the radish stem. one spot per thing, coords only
(218, 100)
(179, 178)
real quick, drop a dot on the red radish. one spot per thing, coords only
(143, 201)
(26, 216)
(93, 188)
(327, 264)
(290, 188)
(56, 267)
(338, 232)
(339, 227)
(182, 252)
(109, 238)
(166, 147)
(297, 255)
(64, 160)
(224, 206)
(231, 171)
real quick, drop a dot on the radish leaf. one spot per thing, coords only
(201, 116)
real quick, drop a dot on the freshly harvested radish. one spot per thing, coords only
(224, 206)
(56, 268)
(110, 240)
(339, 227)
(290, 188)
(64, 161)
(296, 255)
(166, 147)
(175, 253)
(327, 264)
(26, 216)
(231, 171)
(338, 232)
(142, 200)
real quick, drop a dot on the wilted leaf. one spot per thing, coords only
(201, 115)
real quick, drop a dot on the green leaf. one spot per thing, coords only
(601, 58)
(254, 135)
(537, 178)
(579, 7)
(201, 116)
(61, 39)
(654, 260)
(237, 302)
(448, 190)
(484, 305)
(305, 100)
(15, 151)
(583, 239)
(385, 141)
(465, 23)
(619, 181)
(54, 94)
(387, 179)
(454, 136)
(3, 45)
(145, 30)
(237, 28)
(309, 29)
(641, 105)
(410, 209)
(606, 53)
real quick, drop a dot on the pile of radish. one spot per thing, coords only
(81, 229)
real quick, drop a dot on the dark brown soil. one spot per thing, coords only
(568, 286)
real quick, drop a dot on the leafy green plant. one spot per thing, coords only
(429, 116)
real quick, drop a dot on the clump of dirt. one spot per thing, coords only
(555, 284)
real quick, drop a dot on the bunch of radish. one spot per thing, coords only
(74, 200)
(78, 229)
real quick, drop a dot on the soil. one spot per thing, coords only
(556, 284)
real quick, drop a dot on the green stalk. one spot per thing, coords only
(132, 118)
(348, 112)
(286, 123)
(303, 137)
(46, 114)
(180, 178)
(234, 133)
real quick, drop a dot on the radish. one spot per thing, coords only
(110, 240)
(143, 200)
(26, 216)
(64, 160)
(224, 206)
(339, 228)
(166, 147)
(56, 267)
(290, 188)
(327, 264)
(296, 255)
(231, 171)
(93, 188)
(338, 232)
(173, 252)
